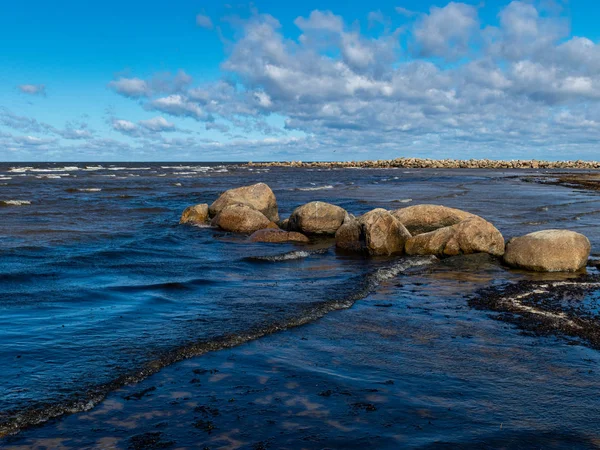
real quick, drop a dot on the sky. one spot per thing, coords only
(311, 81)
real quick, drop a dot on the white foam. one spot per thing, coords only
(15, 202)
(316, 188)
(89, 190)
(5, 178)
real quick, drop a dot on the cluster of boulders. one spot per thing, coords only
(426, 163)
(414, 230)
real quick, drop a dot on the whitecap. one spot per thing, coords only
(15, 202)
(315, 188)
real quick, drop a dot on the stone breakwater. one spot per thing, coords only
(426, 163)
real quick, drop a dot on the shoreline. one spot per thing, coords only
(427, 163)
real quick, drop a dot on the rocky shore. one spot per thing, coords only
(426, 163)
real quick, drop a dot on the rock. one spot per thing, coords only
(317, 218)
(474, 235)
(383, 233)
(277, 236)
(258, 196)
(420, 219)
(377, 232)
(284, 224)
(548, 251)
(197, 214)
(241, 219)
(348, 236)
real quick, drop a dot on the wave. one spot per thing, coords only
(83, 190)
(33, 169)
(14, 202)
(315, 188)
(5, 178)
(289, 256)
(13, 422)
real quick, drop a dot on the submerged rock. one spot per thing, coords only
(317, 218)
(419, 219)
(257, 196)
(197, 214)
(278, 236)
(474, 235)
(242, 219)
(549, 251)
(377, 232)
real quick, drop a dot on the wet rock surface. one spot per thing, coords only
(197, 214)
(271, 235)
(569, 308)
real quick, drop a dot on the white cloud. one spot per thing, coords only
(204, 21)
(157, 124)
(33, 89)
(446, 32)
(130, 87)
(177, 105)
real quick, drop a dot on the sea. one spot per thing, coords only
(101, 287)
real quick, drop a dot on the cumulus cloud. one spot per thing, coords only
(157, 124)
(33, 89)
(521, 83)
(130, 87)
(177, 105)
(446, 32)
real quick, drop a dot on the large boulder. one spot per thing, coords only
(349, 235)
(272, 235)
(376, 232)
(474, 235)
(317, 218)
(258, 196)
(383, 233)
(197, 214)
(241, 219)
(420, 219)
(548, 251)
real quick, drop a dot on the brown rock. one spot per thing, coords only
(241, 219)
(420, 219)
(348, 236)
(197, 214)
(549, 251)
(317, 218)
(277, 236)
(258, 196)
(383, 233)
(474, 235)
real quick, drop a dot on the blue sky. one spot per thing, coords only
(327, 80)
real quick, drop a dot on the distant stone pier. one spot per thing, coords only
(426, 163)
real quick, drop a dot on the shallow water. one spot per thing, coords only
(99, 285)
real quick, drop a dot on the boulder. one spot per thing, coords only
(383, 233)
(197, 214)
(348, 236)
(258, 196)
(419, 219)
(376, 232)
(548, 251)
(317, 218)
(276, 236)
(241, 219)
(474, 235)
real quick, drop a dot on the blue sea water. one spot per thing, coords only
(100, 286)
